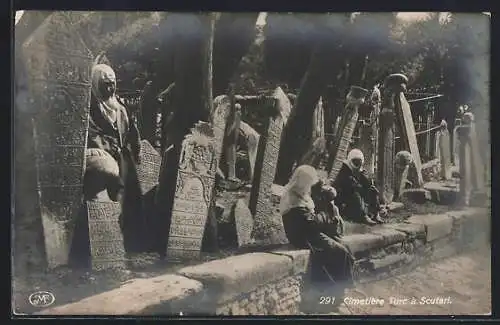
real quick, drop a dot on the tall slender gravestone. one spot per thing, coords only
(343, 137)
(408, 133)
(463, 133)
(268, 227)
(477, 166)
(58, 65)
(318, 121)
(219, 117)
(369, 133)
(193, 193)
(443, 137)
(393, 85)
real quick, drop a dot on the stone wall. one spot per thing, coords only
(271, 283)
(248, 284)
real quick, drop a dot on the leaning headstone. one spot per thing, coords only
(409, 134)
(193, 193)
(268, 227)
(148, 170)
(58, 65)
(106, 239)
(243, 221)
(348, 122)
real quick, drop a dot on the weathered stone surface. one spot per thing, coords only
(388, 261)
(358, 243)
(416, 195)
(268, 227)
(414, 230)
(395, 206)
(243, 221)
(280, 297)
(277, 192)
(442, 193)
(436, 225)
(229, 277)
(132, 298)
(300, 259)
(444, 247)
(389, 235)
(148, 171)
(193, 193)
(58, 65)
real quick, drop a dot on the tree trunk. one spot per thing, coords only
(234, 33)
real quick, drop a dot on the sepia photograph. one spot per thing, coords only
(185, 164)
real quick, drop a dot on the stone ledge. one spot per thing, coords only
(413, 230)
(358, 243)
(133, 298)
(436, 225)
(229, 277)
(300, 259)
(442, 193)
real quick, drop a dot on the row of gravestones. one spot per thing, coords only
(194, 191)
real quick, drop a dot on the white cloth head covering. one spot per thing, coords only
(355, 154)
(110, 106)
(298, 190)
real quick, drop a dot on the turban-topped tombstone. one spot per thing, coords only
(402, 163)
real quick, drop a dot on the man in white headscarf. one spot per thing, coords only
(357, 197)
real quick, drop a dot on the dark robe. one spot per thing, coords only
(122, 141)
(332, 262)
(357, 196)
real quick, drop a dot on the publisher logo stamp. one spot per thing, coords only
(41, 299)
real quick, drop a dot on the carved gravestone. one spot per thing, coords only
(148, 170)
(193, 193)
(348, 122)
(243, 221)
(106, 239)
(268, 226)
(58, 65)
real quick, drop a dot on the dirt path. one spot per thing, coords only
(462, 282)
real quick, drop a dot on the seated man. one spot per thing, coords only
(358, 198)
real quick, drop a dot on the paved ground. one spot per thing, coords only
(460, 284)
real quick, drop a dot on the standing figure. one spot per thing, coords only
(112, 129)
(358, 199)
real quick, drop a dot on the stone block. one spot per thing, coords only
(388, 261)
(390, 235)
(229, 277)
(443, 193)
(133, 298)
(436, 225)
(395, 206)
(413, 230)
(358, 243)
(416, 195)
(300, 259)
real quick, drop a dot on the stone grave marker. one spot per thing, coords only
(444, 153)
(193, 193)
(343, 137)
(243, 221)
(58, 65)
(148, 171)
(106, 239)
(219, 117)
(268, 226)
(319, 121)
(409, 134)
